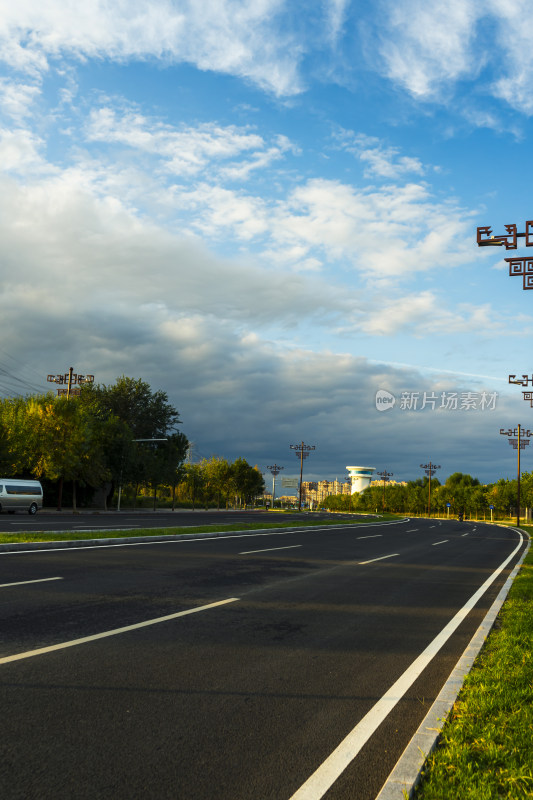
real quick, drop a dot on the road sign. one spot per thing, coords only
(289, 483)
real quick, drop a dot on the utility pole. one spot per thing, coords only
(430, 470)
(302, 451)
(275, 470)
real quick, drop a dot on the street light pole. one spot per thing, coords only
(302, 451)
(385, 476)
(430, 470)
(519, 443)
(275, 470)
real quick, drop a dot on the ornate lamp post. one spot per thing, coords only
(385, 476)
(517, 266)
(70, 378)
(518, 443)
(275, 470)
(430, 470)
(302, 451)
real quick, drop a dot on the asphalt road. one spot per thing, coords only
(288, 645)
(110, 520)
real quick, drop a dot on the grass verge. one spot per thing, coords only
(67, 536)
(486, 747)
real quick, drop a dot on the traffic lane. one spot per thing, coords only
(105, 588)
(101, 520)
(259, 692)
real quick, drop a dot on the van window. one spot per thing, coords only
(18, 488)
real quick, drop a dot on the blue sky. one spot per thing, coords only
(269, 209)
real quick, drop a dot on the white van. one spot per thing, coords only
(17, 495)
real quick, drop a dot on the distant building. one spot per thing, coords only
(316, 491)
(360, 477)
(379, 482)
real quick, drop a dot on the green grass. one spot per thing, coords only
(42, 536)
(486, 747)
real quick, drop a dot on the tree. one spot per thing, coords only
(217, 477)
(140, 414)
(56, 438)
(247, 481)
(148, 414)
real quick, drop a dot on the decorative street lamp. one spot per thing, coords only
(275, 470)
(519, 443)
(430, 470)
(523, 381)
(70, 378)
(302, 451)
(385, 476)
(517, 266)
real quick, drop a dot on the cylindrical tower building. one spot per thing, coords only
(360, 477)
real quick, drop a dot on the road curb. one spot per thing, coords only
(407, 772)
(19, 547)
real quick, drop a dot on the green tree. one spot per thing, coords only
(246, 481)
(140, 414)
(58, 439)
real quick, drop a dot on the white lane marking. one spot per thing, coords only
(192, 538)
(464, 534)
(374, 536)
(327, 773)
(115, 632)
(269, 549)
(392, 555)
(434, 544)
(24, 583)
(411, 530)
(432, 526)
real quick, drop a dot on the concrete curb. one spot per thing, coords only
(19, 547)
(406, 774)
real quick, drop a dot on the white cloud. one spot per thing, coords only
(17, 99)
(427, 47)
(381, 160)
(20, 151)
(229, 36)
(233, 152)
(427, 44)
(384, 233)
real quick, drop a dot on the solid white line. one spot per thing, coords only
(115, 632)
(374, 536)
(327, 773)
(361, 563)
(24, 583)
(269, 549)
(434, 544)
(192, 538)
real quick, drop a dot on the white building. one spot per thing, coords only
(360, 477)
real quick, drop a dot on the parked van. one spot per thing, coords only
(17, 495)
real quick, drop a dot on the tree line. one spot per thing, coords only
(111, 436)
(464, 493)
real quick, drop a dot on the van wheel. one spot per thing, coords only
(32, 509)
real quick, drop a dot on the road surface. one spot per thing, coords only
(234, 668)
